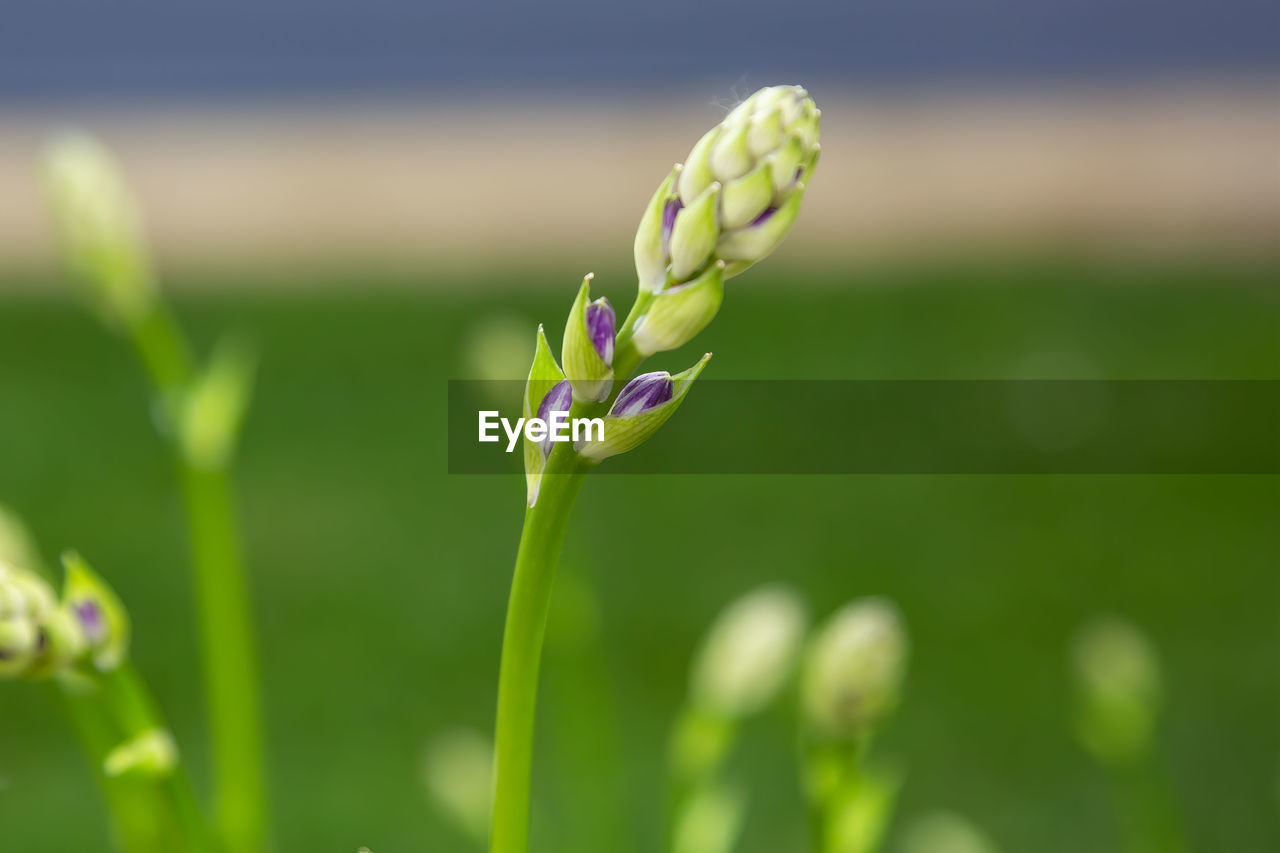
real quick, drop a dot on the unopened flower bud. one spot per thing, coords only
(678, 313)
(99, 229)
(152, 754)
(587, 353)
(26, 604)
(639, 410)
(544, 377)
(214, 407)
(750, 652)
(1118, 680)
(854, 670)
(101, 616)
(736, 195)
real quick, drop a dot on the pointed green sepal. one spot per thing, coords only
(102, 617)
(544, 374)
(587, 371)
(623, 432)
(651, 256)
(695, 233)
(214, 407)
(152, 754)
(731, 155)
(677, 314)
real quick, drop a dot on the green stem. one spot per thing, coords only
(222, 601)
(540, 541)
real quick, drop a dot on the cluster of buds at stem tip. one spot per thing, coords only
(727, 206)
(854, 670)
(41, 636)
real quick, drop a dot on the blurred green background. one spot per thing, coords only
(380, 582)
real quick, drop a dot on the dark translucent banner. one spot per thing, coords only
(923, 427)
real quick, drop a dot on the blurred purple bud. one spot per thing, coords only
(600, 325)
(90, 617)
(647, 391)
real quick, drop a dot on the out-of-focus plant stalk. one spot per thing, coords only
(101, 238)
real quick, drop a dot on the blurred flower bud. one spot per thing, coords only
(544, 377)
(639, 410)
(99, 612)
(459, 777)
(152, 754)
(854, 669)
(710, 821)
(1118, 679)
(943, 832)
(750, 652)
(736, 195)
(587, 353)
(26, 604)
(214, 406)
(678, 313)
(99, 229)
(17, 548)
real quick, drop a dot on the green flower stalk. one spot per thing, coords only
(850, 683)
(198, 410)
(1119, 695)
(727, 207)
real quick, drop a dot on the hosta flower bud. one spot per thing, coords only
(639, 410)
(1118, 680)
(545, 377)
(101, 617)
(26, 603)
(678, 313)
(152, 754)
(749, 652)
(736, 195)
(99, 229)
(854, 670)
(587, 354)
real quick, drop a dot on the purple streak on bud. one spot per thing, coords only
(669, 212)
(558, 399)
(600, 325)
(90, 617)
(763, 217)
(647, 391)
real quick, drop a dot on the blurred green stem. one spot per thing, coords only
(222, 600)
(531, 586)
(1146, 809)
(150, 813)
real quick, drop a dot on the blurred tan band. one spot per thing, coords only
(1163, 168)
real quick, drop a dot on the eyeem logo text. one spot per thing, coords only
(559, 427)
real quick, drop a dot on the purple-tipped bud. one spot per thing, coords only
(601, 322)
(558, 399)
(647, 391)
(89, 615)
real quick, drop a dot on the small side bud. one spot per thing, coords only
(98, 610)
(642, 407)
(587, 353)
(749, 653)
(854, 669)
(152, 754)
(213, 409)
(1118, 682)
(99, 230)
(653, 233)
(544, 375)
(677, 314)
